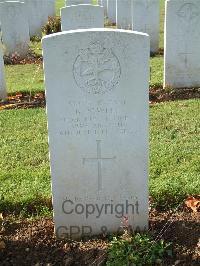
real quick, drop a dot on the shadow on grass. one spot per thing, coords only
(30, 207)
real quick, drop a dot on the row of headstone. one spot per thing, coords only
(138, 15)
(22, 20)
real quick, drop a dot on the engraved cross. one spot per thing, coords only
(99, 159)
(185, 57)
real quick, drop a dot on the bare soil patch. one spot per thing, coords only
(157, 95)
(27, 100)
(33, 242)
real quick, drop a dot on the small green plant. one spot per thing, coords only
(136, 250)
(52, 26)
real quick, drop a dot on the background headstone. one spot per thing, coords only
(111, 12)
(104, 3)
(97, 106)
(146, 18)
(182, 44)
(82, 17)
(124, 14)
(3, 93)
(14, 27)
(38, 15)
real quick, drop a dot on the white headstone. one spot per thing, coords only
(125, 14)
(38, 15)
(14, 27)
(97, 106)
(77, 2)
(182, 44)
(112, 10)
(3, 93)
(103, 3)
(146, 18)
(82, 17)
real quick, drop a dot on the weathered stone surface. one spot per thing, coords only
(14, 27)
(82, 17)
(112, 10)
(38, 13)
(104, 3)
(124, 15)
(77, 2)
(146, 18)
(97, 106)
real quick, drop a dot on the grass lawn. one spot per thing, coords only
(59, 4)
(174, 157)
(21, 78)
(24, 164)
(29, 77)
(174, 151)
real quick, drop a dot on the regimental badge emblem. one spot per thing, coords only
(188, 12)
(96, 69)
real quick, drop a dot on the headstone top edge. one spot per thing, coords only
(59, 34)
(84, 6)
(6, 3)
